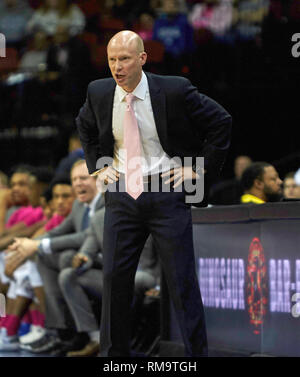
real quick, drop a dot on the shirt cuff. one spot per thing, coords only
(45, 246)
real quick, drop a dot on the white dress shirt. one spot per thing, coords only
(154, 159)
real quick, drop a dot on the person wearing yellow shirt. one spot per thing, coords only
(261, 184)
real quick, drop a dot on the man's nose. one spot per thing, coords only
(118, 65)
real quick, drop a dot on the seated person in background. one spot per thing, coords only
(55, 252)
(229, 191)
(16, 196)
(290, 187)
(25, 221)
(27, 284)
(261, 184)
(62, 197)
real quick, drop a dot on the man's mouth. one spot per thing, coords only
(119, 77)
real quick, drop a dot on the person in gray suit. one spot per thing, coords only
(81, 281)
(55, 251)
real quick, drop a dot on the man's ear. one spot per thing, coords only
(143, 57)
(258, 184)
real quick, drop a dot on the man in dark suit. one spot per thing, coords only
(173, 120)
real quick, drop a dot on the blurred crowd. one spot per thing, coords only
(54, 48)
(51, 210)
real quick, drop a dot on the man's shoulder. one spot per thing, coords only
(98, 216)
(167, 80)
(101, 84)
(76, 206)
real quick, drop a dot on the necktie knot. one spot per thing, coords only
(129, 98)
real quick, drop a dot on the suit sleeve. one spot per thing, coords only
(67, 241)
(65, 236)
(88, 133)
(213, 125)
(93, 242)
(90, 246)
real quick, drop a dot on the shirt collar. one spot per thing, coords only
(139, 92)
(248, 198)
(93, 203)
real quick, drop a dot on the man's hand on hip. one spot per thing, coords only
(179, 175)
(108, 175)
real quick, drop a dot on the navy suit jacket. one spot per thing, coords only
(189, 124)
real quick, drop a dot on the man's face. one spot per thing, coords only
(125, 63)
(289, 188)
(272, 184)
(63, 197)
(83, 184)
(20, 188)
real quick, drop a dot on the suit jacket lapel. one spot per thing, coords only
(158, 101)
(100, 202)
(106, 108)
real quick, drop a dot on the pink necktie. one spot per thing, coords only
(133, 163)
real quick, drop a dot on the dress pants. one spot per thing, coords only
(75, 288)
(127, 225)
(49, 266)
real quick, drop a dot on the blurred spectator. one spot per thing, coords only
(144, 27)
(290, 187)
(75, 153)
(16, 196)
(57, 12)
(26, 220)
(251, 14)
(174, 31)
(212, 15)
(14, 15)
(34, 58)
(261, 183)
(229, 191)
(62, 197)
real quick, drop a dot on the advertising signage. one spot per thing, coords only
(249, 276)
